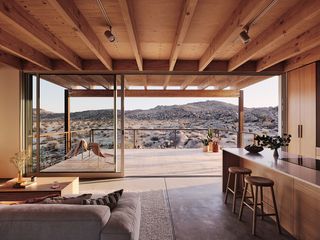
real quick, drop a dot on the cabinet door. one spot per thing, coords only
(294, 109)
(308, 110)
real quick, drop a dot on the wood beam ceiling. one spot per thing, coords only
(244, 12)
(128, 18)
(182, 30)
(247, 82)
(302, 59)
(283, 29)
(15, 46)
(70, 12)
(58, 80)
(210, 81)
(187, 82)
(157, 66)
(22, 20)
(156, 93)
(300, 44)
(10, 60)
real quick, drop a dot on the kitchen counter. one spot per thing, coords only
(296, 185)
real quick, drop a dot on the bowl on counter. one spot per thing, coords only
(253, 148)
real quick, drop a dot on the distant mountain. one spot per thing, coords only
(198, 114)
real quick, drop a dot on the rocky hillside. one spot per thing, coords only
(213, 114)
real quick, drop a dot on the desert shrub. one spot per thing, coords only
(53, 146)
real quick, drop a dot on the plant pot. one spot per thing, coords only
(276, 153)
(205, 148)
(215, 147)
(210, 147)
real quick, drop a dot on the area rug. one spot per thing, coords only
(156, 221)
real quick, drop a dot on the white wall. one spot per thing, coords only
(9, 119)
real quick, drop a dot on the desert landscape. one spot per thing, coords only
(176, 126)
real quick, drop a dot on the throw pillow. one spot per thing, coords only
(110, 200)
(67, 200)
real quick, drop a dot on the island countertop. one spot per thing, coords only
(266, 159)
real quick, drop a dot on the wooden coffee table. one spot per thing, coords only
(43, 187)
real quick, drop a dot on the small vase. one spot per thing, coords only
(276, 153)
(210, 147)
(20, 177)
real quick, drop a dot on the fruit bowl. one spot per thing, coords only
(253, 148)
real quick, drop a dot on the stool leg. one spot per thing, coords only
(226, 195)
(235, 192)
(276, 210)
(261, 199)
(242, 200)
(254, 221)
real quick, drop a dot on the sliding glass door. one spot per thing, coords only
(77, 124)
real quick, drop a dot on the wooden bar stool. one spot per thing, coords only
(258, 182)
(237, 171)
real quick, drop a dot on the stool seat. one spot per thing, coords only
(239, 170)
(259, 181)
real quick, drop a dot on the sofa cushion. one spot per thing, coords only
(53, 221)
(110, 200)
(124, 223)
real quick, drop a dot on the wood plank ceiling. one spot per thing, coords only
(177, 43)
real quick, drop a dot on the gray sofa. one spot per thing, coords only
(72, 222)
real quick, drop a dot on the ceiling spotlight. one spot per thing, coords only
(245, 36)
(109, 35)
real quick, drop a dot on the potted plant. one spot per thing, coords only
(274, 142)
(205, 144)
(18, 160)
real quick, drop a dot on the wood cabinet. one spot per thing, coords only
(301, 109)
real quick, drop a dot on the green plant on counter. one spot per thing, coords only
(273, 142)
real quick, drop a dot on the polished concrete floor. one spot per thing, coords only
(196, 207)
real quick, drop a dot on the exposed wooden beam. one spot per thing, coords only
(145, 80)
(17, 47)
(17, 16)
(97, 79)
(183, 27)
(70, 12)
(187, 82)
(243, 13)
(128, 18)
(247, 82)
(166, 82)
(10, 60)
(300, 44)
(78, 80)
(285, 28)
(210, 81)
(158, 67)
(302, 59)
(156, 93)
(59, 81)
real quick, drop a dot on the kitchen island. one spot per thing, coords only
(297, 186)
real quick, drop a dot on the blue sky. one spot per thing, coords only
(263, 94)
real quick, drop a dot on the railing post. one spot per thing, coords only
(240, 119)
(175, 138)
(92, 135)
(134, 138)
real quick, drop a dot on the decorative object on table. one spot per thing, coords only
(253, 148)
(18, 160)
(211, 142)
(274, 142)
(55, 185)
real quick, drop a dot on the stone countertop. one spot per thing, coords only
(266, 159)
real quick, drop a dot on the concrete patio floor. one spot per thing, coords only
(172, 162)
(148, 162)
